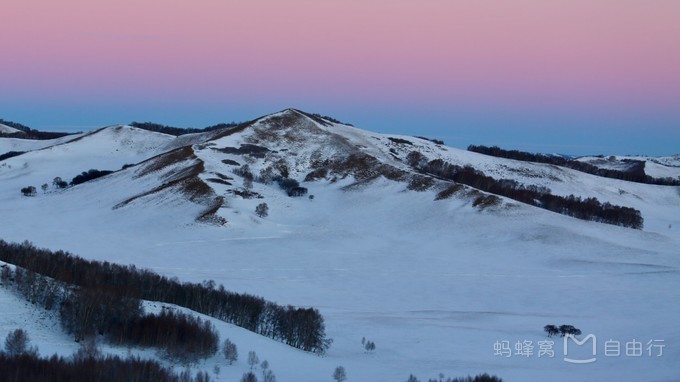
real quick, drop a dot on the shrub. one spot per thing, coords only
(262, 210)
(28, 191)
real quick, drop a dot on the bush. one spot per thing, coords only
(287, 183)
(297, 191)
(262, 210)
(28, 191)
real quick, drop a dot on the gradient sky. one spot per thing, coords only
(572, 76)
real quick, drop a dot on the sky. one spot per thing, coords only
(565, 76)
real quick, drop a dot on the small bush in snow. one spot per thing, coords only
(262, 210)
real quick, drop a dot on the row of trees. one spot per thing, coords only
(302, 328)
(28, 133)
(176, 131)
(59, 183)
(88, 312)
(10, 154)
(635, 172)
(30, 367)
(562, 330)
(586, 209)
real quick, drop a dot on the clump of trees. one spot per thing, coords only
(89, 175)
(302, 328)
(59, 183)
(177, 131)
(89, 312)
(29, 191)
(478, 378)
(33, 368)
(369, 346)
(28, 133)
(291, 186)
(574, 206)
(563, 330)
(635, 172)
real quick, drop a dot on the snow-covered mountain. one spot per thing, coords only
(400, 256)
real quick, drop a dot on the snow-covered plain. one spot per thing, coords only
(433, 283)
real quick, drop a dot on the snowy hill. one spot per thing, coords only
(4, 129)
(660, 167)
(434, 282)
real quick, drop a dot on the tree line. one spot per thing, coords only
(87, 312)
(28, 133)
(302, 328)
(33, 368)
(636, 172)
(574, 206)
(177, 131)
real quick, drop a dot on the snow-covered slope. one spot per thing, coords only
(4, 129)
(659, 167)
(433, 283)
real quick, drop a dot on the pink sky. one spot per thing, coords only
(566, 56)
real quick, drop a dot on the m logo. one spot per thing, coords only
(579, 343)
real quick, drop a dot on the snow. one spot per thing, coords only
(433, 283)
(659, 167)
(4, 129)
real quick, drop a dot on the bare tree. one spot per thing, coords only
(339, 374)
(267, 374)
(230, 351)
(252, 359)
(16, 343)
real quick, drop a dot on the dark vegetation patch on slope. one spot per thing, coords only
(177, 131)
(33, 368)
(322, 119)
(167, 159)
(86, 312)
(11, 154)
(245, 149)
(586, 209)
(634, 173)
(184, 180)
(91, 174)
(28, 133)
(360, 165)
(302, 328)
